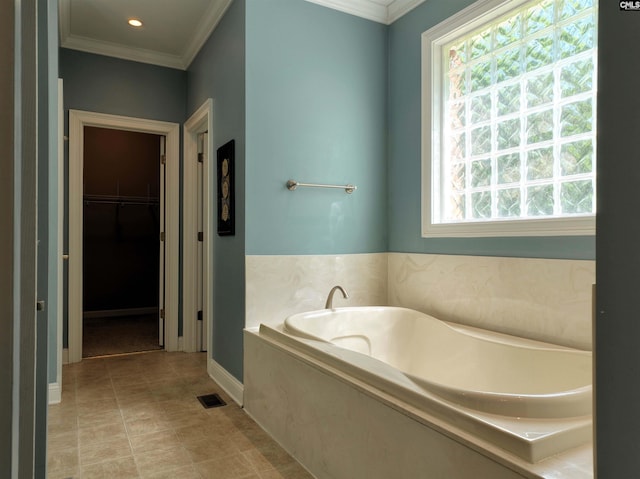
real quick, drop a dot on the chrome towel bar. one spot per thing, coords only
(293, 184)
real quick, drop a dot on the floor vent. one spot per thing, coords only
(211, 400)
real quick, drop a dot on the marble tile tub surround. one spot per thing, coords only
(278, 286)
(339, 428)
(543, 299)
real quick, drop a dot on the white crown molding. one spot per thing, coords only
(372, 10)
(401, 7)
(367, 9)
(361, 8)
(91, 45)
(209, 22)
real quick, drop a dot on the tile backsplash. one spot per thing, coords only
(278, 286)
(544, 299)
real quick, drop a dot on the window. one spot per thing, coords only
(509, 120)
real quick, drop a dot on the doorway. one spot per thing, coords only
(198, 233)
(169, 222)
(123, 209)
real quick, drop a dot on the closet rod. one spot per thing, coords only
(120, 200)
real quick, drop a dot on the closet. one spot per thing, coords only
(122, 220)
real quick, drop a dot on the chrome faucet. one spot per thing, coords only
(329, 303)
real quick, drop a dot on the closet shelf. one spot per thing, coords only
(120, 200)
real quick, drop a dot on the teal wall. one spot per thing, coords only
(316, 112)
(404, 163)
(120, 87)
(218, 72)
(617, 391)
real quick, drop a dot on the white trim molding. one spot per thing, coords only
(55, 393)
(60, 235)
(210, 20)
(201, 32)
(77, 121)
(477, 15)
(226, 381)
(381, 12)
(201, 121)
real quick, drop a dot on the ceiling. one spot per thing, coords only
(174, 31)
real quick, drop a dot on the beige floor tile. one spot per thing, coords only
(187, 418)
(68, 396)
(155, 441)
(136, 387)
(123, 468)
(185, 472)
(97, 405)
(293, 471)
(140, 399)
(267, 457)
(138, 426)
(61, 460)
(67, 440)
(89, 395)
(181, 405)
(133, 379)
(210, 448)
(62, 427)
(62, 410)
(230, 467)
(126, 371)
(194, 432)
(257, 460)
(104, 451)
(102, 418)
(138, 416)
(97, 382)
(141, 410)
(64, 474)
(98, 434)
(158, 461)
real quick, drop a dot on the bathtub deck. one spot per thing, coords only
(524, 446)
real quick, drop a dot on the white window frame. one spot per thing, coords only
(433, 39)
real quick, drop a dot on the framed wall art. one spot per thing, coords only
(226, 189)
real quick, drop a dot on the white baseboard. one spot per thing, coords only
(55, 393)
(112, 313)
(65, 356)
(180, 343)
(226, 381)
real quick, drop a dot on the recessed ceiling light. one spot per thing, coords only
(134, 22)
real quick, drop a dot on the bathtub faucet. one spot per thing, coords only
(329, 303)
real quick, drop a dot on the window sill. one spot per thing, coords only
(579, 226)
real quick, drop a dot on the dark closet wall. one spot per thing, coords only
(121, 238)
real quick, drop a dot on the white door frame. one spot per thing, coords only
(200, 121)
(61, 255)
(77, 121)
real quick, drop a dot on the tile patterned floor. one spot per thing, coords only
(137, 416)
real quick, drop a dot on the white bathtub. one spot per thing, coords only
(529, 398)
(491, 373)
